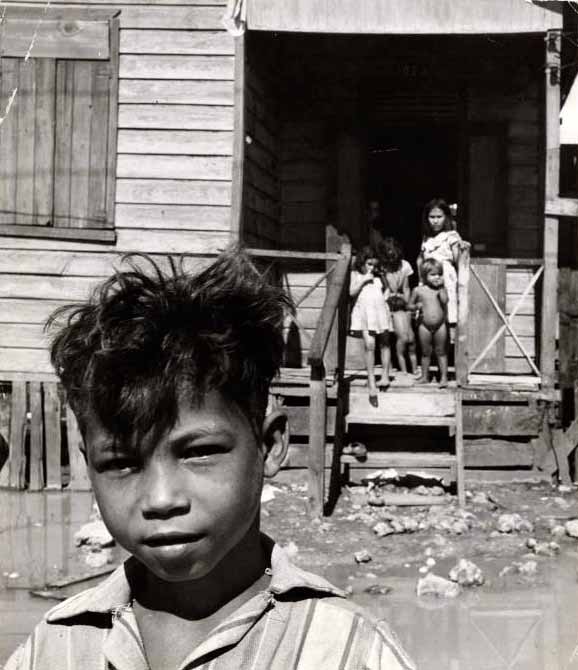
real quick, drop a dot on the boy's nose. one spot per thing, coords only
(163, 494)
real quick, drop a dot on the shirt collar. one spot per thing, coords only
(114, 593)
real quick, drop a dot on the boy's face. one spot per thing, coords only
(184, 502)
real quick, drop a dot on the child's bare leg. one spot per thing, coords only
(425, 340)
(440, 340)
(384, 340)
(369, 343)
(411, 344)
(400, 327)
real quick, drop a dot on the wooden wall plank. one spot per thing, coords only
(97, 171)
(36, 480)
(189, 142)
(17, 335)
(26, 137)
(79, 480)
(82, 112)
(63, 148)
(409, 17)
(55, 39)
(129, 239)
(176, 42)
(174, 217)
(176, 92)
(140, 166)
(44, 141)
(8, 139)
(176, 67)
(162, 3)
(13, 473)
(501, 420)
(181, 117)
(181, 18)
(48, 288)
(27, 311)
(52, 436)
(173, 192)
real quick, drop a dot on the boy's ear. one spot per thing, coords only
(275, 441)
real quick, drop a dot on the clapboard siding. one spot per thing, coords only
(261, 192)
(174, 169)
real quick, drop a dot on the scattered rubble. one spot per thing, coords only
(466, 573)
(513, 523)
(438, 586)
(269, 492)
(378, 590)
(94, 534)
(571, 527)
(362, 556)
(543, 548)
(528, 568)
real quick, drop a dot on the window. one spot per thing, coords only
(58, 97)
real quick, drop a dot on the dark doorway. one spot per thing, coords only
(407, 167)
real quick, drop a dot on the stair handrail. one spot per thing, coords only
(334, 297)
(329, 310)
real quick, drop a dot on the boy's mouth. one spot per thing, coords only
(169, 539)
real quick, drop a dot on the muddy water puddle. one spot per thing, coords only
(521, 623)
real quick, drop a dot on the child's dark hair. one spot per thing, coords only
(145, 339)
(361, 257)
(440, 203)
(429, 265)
(390, 254)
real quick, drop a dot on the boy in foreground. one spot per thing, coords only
(168, 377)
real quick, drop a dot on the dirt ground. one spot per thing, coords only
(443, 533)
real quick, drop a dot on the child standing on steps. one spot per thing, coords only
(370, 317)
(430, 302)
(397, 272)
(442, 242)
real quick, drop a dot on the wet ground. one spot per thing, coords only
(524, 616)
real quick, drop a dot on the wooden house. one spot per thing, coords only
(147, 126)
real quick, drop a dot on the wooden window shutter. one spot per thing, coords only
(82, 144)
(27, 141)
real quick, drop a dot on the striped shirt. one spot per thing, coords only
(301, 622)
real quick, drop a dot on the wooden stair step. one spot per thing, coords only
(402, 408)
(402, 460)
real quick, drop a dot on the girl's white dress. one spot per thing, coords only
(370, 310)
(441, 247)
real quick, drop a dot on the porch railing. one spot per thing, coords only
(466, 311)
(334, 307)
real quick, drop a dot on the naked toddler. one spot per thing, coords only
(430, 302)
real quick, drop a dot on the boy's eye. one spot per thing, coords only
(203, 451)
(118, 464)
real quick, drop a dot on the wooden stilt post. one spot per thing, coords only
(461, 357)
(317, 437)
(552, 188)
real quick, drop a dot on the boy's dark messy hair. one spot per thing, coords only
(390, 254)
(144, 338)
(431, 265)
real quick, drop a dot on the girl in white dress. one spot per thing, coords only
(370, 317)
(442, 242)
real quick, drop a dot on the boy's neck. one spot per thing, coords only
(234, 580)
